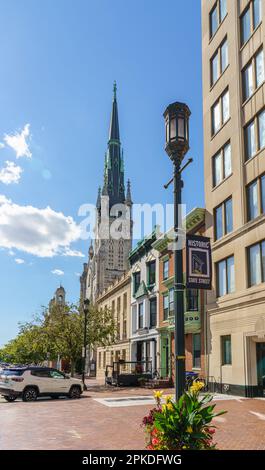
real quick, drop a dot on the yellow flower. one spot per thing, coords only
(196, 387)
(189, 429)
(169, 398)
(158, 395)
(170, 407)
(164, 407)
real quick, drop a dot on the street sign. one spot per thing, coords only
(198, 262)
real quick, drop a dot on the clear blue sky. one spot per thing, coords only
(59, 59)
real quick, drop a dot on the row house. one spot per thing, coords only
(144, 339)
(116, 297)
(193, 304)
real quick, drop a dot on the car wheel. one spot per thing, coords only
(75, 392)
(10, 399)
(30, 394)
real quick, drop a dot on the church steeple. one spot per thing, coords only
(114, 166)
(114, 132)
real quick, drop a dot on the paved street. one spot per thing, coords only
(106, 419)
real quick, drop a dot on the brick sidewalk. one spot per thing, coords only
(87, 424)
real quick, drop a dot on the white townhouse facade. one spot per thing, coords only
(144, 339)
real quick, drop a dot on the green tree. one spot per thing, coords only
(60, 331)
(27, 347)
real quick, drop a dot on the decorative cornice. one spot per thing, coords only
(195, 218)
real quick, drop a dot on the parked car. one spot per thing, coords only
(31, 382)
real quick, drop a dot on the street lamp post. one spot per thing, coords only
(177, 145)
(86, 306)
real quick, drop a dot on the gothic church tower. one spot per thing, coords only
(108, 258)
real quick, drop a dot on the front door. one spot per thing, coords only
(261, 368)
(139, 353)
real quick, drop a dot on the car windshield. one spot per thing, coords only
(13, 372)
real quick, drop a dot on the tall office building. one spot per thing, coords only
(233, 36)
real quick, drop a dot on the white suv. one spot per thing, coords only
(29, 383)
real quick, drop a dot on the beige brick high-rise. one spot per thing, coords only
(233, 39)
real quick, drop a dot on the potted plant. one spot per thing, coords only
(182, 425)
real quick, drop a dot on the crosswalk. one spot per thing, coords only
(149, 400)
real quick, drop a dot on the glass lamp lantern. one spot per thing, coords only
(177, 130)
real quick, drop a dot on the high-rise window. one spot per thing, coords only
(214, 20)
(248, 86)
(250, 140)
(255, 193)
(217, 15)
(216, 116)
(218, 216)
(257, 13)
(228, 209)
(165, 306)
(259, 65)
(223, 219)
(252, 200)
(219, 61)
(225, 276)
(215, 67)
(196, 351)
(222, 165)
(256, 263)
(261, 121)
(220, 112)
(262, 186)
(250, 19)
(223, 10)
(255, 127)
(225, 107)
(245, 26)
(217, 169)
(253, 75)
(226, 350)
(227, 160)
(224, 56)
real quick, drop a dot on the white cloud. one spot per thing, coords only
(40, 232)
(19, 142)
(77, 274)
(10, 173)
(69, 252)
(57, 272)
(19, 261)
(2, 145)
(4, 200)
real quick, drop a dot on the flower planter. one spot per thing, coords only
(182, 425)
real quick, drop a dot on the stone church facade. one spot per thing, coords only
(108, 254)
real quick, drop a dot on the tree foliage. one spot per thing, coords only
(60, 331)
